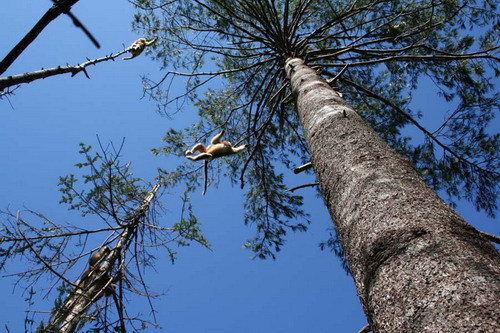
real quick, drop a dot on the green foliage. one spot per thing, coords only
(271, 207)
(379, 52)
(112, 189)
(104, 190)
(189, 230)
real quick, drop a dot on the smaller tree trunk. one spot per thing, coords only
(98, 281)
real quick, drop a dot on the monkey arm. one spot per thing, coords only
(238, 149)
(131, 57)
(201, 156)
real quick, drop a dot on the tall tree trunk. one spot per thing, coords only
(417, 265)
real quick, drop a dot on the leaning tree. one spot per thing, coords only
(331, 82)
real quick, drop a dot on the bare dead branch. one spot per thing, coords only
(80, 25)
(44, 73)
(39, 257)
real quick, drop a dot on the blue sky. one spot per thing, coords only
(219, 291)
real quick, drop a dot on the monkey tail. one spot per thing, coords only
(205, 177)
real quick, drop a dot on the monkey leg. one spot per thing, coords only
(216, 138)
(199, 147)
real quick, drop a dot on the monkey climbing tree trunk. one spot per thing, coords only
(417, 265)
(94, 286)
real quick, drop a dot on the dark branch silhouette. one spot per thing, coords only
(60, 7)
(80, 25)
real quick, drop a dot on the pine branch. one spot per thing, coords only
(417, 124)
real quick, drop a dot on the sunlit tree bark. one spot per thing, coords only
(417, 265)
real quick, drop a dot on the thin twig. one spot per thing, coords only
(302, 186)
(39, 257)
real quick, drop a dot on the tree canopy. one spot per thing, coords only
(378, 54)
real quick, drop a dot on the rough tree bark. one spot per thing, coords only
(417, 265)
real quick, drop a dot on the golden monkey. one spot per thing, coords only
(108, 283)
(138, 46)
(396, 30)
(216, 149)
(94, 262)
(97, 257)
